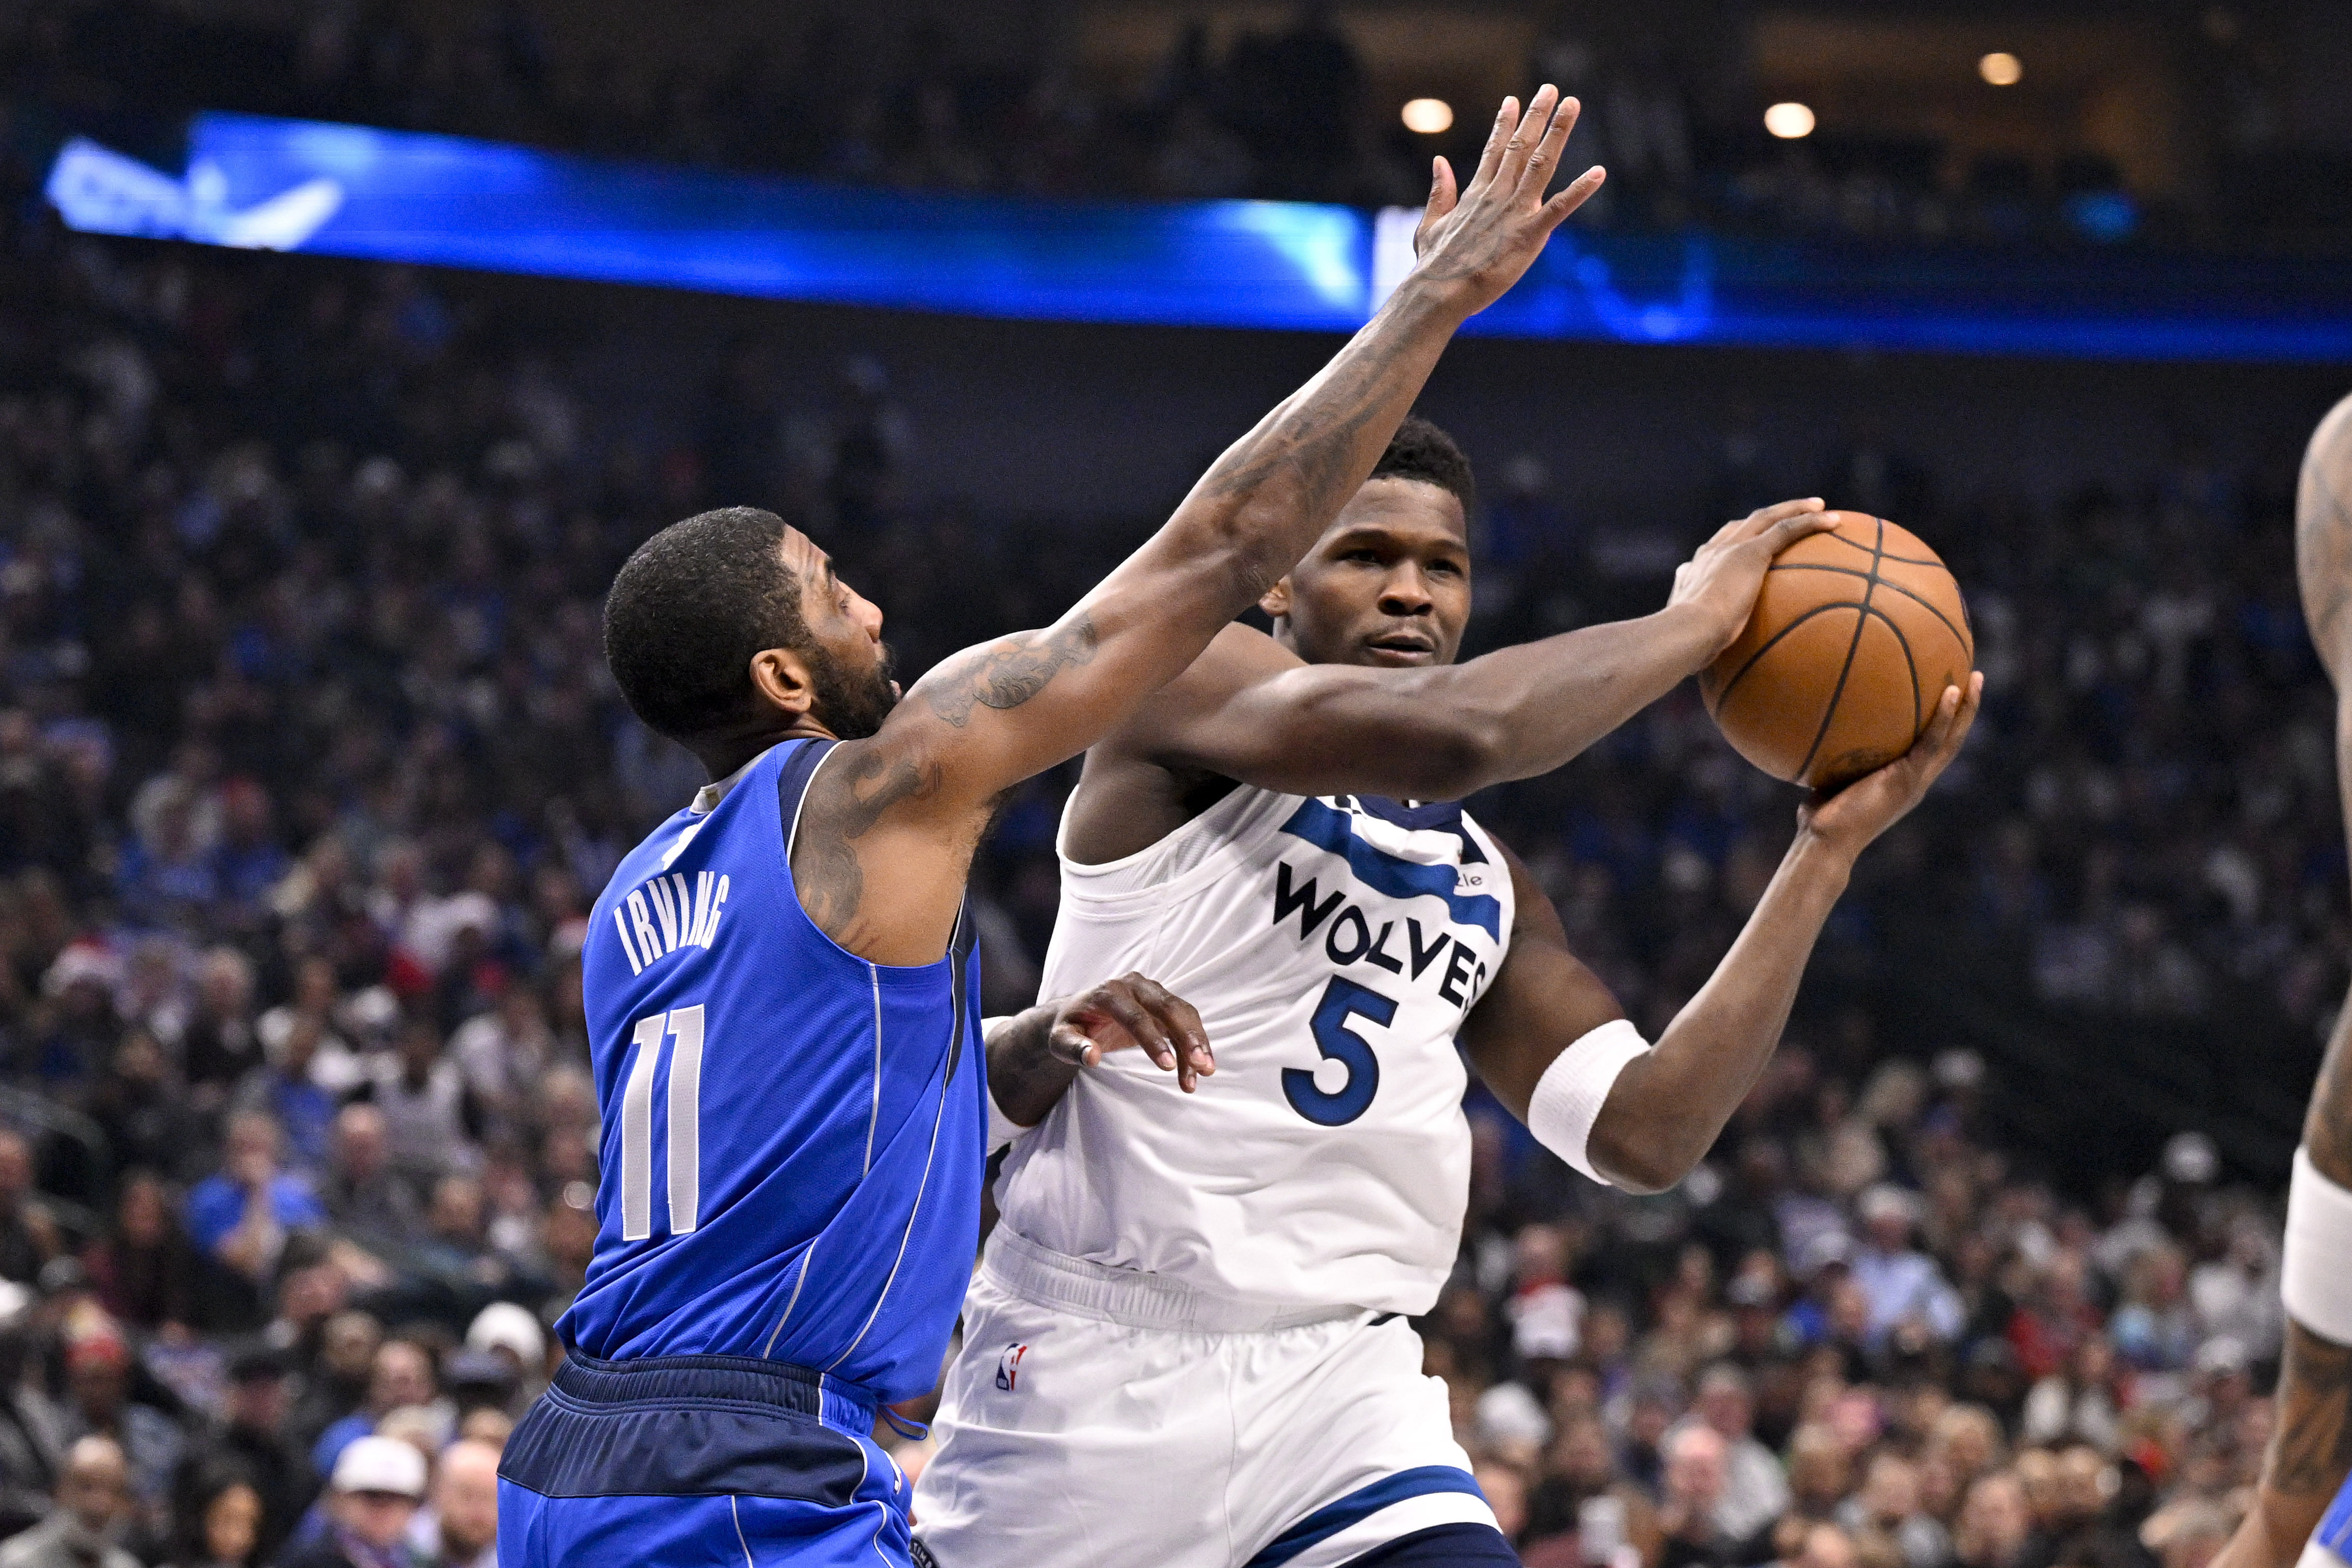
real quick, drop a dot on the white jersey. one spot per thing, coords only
(1333, 947)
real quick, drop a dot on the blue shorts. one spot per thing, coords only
(693, 1460)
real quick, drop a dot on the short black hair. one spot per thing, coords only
(1421, 451)
(689, 610)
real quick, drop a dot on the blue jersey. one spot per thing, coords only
(793, 1136)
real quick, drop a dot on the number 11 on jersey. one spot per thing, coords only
(685, 1026)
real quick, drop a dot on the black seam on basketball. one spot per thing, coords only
(1920, 599)
(1918, 725)
(1880, 554)
(1829, 713)
(1723, 695)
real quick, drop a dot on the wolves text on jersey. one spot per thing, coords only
(1349, 938)
(667, 912)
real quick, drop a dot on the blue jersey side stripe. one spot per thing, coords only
(1362, 1505)
(1328, 829)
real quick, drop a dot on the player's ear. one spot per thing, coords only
(1276, 601)
(782, 680)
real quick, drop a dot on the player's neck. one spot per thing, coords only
(725, 753)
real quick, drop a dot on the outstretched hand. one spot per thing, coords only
(1724, 578)
(1483, 237)
(1132, 1013)
(1853, 816)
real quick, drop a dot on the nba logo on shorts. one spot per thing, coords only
(1008, 1367)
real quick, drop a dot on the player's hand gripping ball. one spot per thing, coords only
(1857, 632)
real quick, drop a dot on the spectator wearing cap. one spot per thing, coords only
(1902, 1284)
(240, 1215)
(93, 1504)
(254, 1432)
(509, 1332)
(459, 1527)
(99, 1403)
(372, 1496)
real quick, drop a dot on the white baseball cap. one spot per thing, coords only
(503, 1325)
(380, 1464)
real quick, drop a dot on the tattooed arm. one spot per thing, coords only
(904, 808)
(2311, 1445)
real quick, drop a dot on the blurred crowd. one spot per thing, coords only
(309, 768)
(1863, 1339)
(1279, 108)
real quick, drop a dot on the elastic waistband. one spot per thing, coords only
(745, 1379)
(1131, 1297)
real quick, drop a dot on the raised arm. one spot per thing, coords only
(2311, 1442)
(1667, 1103)
(985, 718)
(1250, 709)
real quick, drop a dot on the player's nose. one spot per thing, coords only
(1406, 592)
(866, 613)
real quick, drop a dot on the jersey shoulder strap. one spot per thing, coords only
(792, 776)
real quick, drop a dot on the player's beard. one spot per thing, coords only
(852, 706)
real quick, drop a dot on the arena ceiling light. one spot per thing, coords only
(1789, 121)
(2001, 68)
(1429, 116)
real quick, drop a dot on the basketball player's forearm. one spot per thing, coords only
(1008, 709)
(1267, 500)
(1537, 705)
(1668, 1107)
(1443, 733)
(2311, 1451)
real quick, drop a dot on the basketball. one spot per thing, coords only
(1854, 637)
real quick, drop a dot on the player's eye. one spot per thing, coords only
(1452, 569)
(1367, 557)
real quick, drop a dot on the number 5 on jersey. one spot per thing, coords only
(685, 1026)
(1342, 999)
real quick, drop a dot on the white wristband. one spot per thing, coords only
(2316, 1275)
(1002, 1128)
(1569, 1096)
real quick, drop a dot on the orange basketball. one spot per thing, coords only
(1857, 634)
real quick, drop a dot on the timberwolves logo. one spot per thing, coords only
(1008, 1367)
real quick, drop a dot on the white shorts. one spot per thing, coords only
(1099, 1418)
